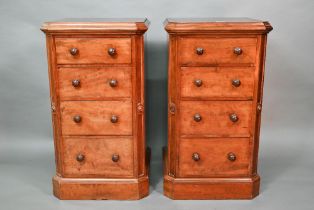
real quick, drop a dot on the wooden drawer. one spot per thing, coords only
(93, 50)
(206, 82)
(214, 157)
(94, 83)
(96, 117)
(216, 51)
(86, 157)
(216, 118)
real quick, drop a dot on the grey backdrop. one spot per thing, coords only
(287, 143)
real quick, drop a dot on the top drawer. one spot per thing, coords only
(93, 50)
(209, 51)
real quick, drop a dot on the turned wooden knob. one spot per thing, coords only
(233, 117)
(80, 157)
(198, 82)
(114, 119)
(236, 82)
(197, 117)
(77, 118)
(237, 51)
(199, 51)
(76, 83)
(231, 156)
(196, 156)
(112, 51)
(113, 83)
(74, 51)
(115, 157)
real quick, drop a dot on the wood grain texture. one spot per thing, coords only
(211, 189)
(95, 102)
(103, 188)
(216, 118)
(199, 188)
(96, 117)
(93, 50)
(173, 94)
(97, 157)
(54, 103)
(94, 83)
(96, 26)
(100, 188)
(217, 82)
(259, 75)
(202, 136)
(216, 50)
(214, 160)
(216, 26)
(140, 105)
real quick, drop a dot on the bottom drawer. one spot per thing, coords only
(97, 157)
(214, 157)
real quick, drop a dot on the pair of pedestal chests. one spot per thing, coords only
(97, 89)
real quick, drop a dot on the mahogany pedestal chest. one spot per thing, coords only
(215, 80)
(96, 72)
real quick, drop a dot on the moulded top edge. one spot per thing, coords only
(216, 25)
(97, 24)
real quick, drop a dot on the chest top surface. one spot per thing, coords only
(96, 25)
(216, 25)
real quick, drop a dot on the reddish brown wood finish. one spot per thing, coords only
(200, 188)
(214, 160)
(210, 154)
(94, 83)
(100, 188)
(96, 117)
(93, 50)
(216, 51)
(97, 157)
(217, 82)
(98, 154)
(215, 118)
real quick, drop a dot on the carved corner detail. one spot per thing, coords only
(172, 108)
(259, 107)
(53, 107)
(140, 108)
(171, 174)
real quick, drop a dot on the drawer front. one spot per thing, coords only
(216, 118)
(96, 117)
(214, 157)
(217, 82)
(203, 51)
(94, 83)
(86, 156)
(93, 50)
